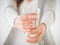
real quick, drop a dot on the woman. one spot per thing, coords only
(23, 22)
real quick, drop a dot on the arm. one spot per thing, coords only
(11, 15)
(48, 17)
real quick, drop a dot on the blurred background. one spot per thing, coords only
(4, 26)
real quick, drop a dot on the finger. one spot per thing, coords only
(32, 32)
(34, 39)
(38, 37)
(29, 41)
(30, 24)
(27, 21)
(29, 16)
(35, 30)
(27, 25)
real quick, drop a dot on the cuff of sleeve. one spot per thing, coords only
(48, 18)
(11, 15)
(13, 20)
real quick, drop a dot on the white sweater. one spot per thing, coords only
(16, 37)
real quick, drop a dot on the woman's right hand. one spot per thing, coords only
(25, 22)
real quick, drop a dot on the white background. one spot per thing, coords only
(55, 29)
(56, 26)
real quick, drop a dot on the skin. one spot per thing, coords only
(26, 24)
(29, 0)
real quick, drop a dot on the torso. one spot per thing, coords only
(28, 7)
(24, 8)
(17, 36)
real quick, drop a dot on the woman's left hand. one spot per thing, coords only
(39, 31)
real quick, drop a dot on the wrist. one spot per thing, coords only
(43, 24)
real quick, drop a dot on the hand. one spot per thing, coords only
(40, 31)
(25, 22)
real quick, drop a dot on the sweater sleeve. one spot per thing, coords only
(48, 18)
(11, 15)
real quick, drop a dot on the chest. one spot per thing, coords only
(28, 7)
